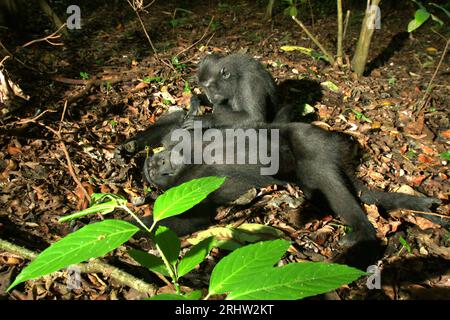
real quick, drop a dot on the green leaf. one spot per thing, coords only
(330, 85)
(102, 203)
(293, 11)
(183, 197)
(294, 281)
(420, 17)
(150, 261)
(91, 241)
(405, 244)
(168, 243)
(361, 116)
(445, 155)
(103, 208)
(245, 262)
(152, 79)
(194, 295)
(308, 51)
(195, 256)
(231, 238)
(102, 197)
(297, 48)
(168, 296)
(223, 238)
(84, 75)
(187, 87)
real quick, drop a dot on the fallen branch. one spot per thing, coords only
(89, 84)
(93, 266)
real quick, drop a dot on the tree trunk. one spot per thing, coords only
(362, 48)
(269, 8)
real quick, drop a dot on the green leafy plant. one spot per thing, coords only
(176, 63)
(84, 75)
(423, 14)
(249, 272)
(97, 239)
(445, 155)
(182, 20)
(361, 116)
(153, 79)
(187, 87)
(106, 85)
(291, 9)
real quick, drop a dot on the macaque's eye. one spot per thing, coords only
(225, 74)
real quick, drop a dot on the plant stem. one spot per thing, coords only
(340, 32)
(347, 18)
(207, 296)
(135, 217)
(314, 39)
(172, 271)
(427, 92)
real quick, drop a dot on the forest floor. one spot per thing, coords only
(116, 87)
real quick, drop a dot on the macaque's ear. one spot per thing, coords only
(225, 74)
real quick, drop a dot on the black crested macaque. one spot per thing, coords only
(240, 90)
(320, 162)
(152, 137)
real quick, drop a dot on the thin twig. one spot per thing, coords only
(3, 60)
(340, 33)
(136, 10)
(24, 121)
(145, 30)
(58, 135)
(17, 59)
(426, 213)
(69, 162)
(427, 92)
(314, 39)
(195, 43)
(52, 36)
(311, 14)
(195, 55)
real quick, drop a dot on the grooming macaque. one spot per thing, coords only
(321, 163)
(239, 89)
